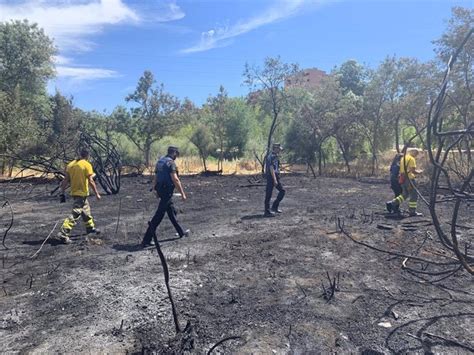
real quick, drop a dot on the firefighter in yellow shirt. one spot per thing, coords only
(407, 180)
(79, 174)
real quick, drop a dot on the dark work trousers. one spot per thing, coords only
(396, 187)
(165, 206)
(269, 191)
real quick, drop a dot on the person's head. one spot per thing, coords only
(173, 152)
(413, 152)
(277, 148)
(84, 153)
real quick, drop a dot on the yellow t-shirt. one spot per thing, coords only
(410, 163)
(79, 171)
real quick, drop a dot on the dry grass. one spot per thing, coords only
(360, 167)
(193, 165)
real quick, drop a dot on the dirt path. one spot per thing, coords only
(237, 275)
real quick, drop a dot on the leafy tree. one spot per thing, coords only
(375, 122)
(318, 114)
(156, 115)
(351, 76)
(217, 109)
(346, 126)
(16, 124)
(202, 139)
(237, 127)
(25, 67)
(269, 80)
(25, 57)
(301, 143)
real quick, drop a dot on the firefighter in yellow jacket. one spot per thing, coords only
(79, 174)
(407, 180)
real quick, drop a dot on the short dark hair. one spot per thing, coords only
(84, 153)
(172, 149)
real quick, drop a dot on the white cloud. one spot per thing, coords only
(220, 37)
(79, 74)
(72, 24)
(67, 22)
(169, 11)
(61, 60)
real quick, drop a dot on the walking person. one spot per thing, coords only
(407, 179)
(272, 170)
(164, 182)
(394, 174)
(79, 174)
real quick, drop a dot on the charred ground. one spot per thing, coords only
(237, 275)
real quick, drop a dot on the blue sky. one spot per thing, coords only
(195, 46)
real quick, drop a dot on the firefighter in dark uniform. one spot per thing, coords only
(394, 172)
(272, 169)
(165, 180)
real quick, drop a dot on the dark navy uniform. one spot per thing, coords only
(165, 188)
(272, 161)
(394, 173)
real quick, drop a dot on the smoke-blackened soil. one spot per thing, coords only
(260, 279)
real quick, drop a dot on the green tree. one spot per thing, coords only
(26, 58)
(217, 109)
(155, 116)
(352, 77)
(269, 83)
(346, 126)
(375, 123)
(319, 113)
(25, 67)
(202, 139)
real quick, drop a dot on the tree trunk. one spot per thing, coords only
(312, 170)
(344, 156)
(397, 133)
(203, 158)
(374, 160)
(10, 168)
(374, 151)
(221, 158)
(147, 155)
(320, 160)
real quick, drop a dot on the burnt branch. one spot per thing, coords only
(221, 342)
(166, 274)
(44, 241)
(10, 225)
(440, 144)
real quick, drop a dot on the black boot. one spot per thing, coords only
(148, 238)
(92, 230)
(268, 213)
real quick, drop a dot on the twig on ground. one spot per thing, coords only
(7, 203)
(166, 274)
(450, 341)
(222, 341)
(347, 234)
(118, 217)
(44, 241)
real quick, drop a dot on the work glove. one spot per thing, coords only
(62, 198)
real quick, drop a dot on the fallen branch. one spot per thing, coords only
(343, 231)
(222, 341)
(450, 341)
(166, 274)
(7, 203)
(44, 241)
(118, 217)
